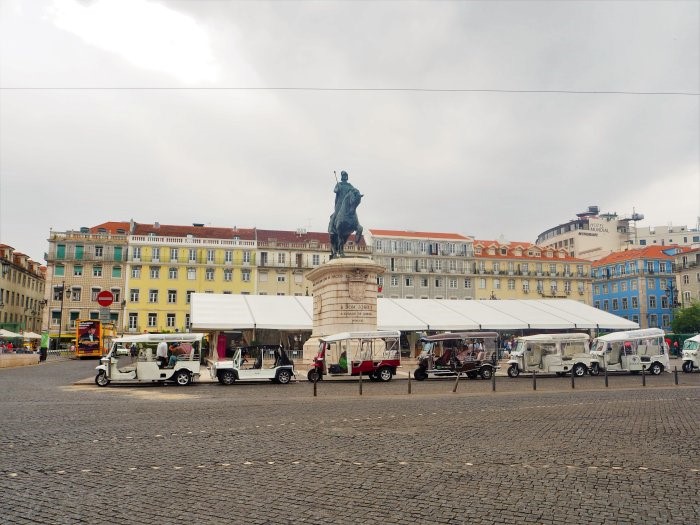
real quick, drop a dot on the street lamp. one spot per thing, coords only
(60, 319)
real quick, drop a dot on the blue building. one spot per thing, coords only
(638, 285)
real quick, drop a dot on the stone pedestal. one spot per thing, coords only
(345, 299)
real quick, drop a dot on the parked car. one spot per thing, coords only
(254, 363)
(633, 350)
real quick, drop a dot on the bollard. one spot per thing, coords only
(534, 379)
(644, 376)
(359, 382)
(493, 381)
(315, 381)
(409, 383)
(456, 381)
(606, 377)
(572, 378)
(675, 374)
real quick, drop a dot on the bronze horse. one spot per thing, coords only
(344, 222)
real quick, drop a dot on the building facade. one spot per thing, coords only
(522, 270)
(687, 278)
(22, 285)
(285, 257)
(423, 265)
(637, 284)
(168, 263)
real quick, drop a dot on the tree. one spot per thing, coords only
(687, 320)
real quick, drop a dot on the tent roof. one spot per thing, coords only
(239, 312)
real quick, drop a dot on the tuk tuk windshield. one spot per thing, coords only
(692, 344)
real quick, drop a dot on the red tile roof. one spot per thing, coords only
(111, 227)
(648, 252)
(524, 246)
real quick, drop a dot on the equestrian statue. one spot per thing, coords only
(344, 219)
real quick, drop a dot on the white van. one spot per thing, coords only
(633, 350)
(553, 353)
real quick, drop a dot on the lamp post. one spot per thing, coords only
(60, 319)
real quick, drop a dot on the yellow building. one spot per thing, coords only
(522, 270)
(167, 263)
(285, 257)
(22, 282)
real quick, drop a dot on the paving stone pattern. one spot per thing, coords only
(264, 453)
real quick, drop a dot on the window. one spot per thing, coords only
(315, 259)
(173, 254)
(192, 255)
(665, 320)
(246, 257)
(170, 320)
(424, 282)
(623, 286)
(60, 251)
(210, 256)
(263, 258)
(438, 283)
(133, 321)
(79, 250)
(156, 254)
(116, 293)
(97, 271)
(281, 258)
(135, 272)
(75, 294)
(452, 283)
(615, 304)
(281, 278)
(191, 274)
(59, 270)
(526, 285)
(153, 296)
(635, 302)
(653, 321)
(93, 294)
(511, 284)
(394, 280)
(134, 295)
(482, 283)
(188, 296)
(209, 274)
(136, 253)
(497, 284)
(172, 296)
(606, 305)
(652, 301)
(152, 320)
(116, 272)
(155, 272)
(77, 270)
(118, 253)
(99, 250)
(172, 273)
(467, 283)
(228, 256)
(664, 302)
(625, 303)
(245, 276)
(496, 268)
(228, 274)
(408, 281)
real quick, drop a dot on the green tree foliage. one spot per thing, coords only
(687, 320)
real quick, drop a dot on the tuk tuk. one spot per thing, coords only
(132, 359)
(691, 349)
(632, 351)
(472, 354)
(553, 353)
(374, 354)
(254, 363)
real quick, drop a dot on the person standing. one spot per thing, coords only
(162, 354)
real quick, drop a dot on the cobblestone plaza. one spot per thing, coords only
(264, 453)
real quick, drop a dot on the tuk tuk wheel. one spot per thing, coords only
(182, 378)
(486, 372)
(656, 368)
(594, 370)
(687, 366)
(101, 378)
(384, 374)
(284, 377)
(579, 370)
(313, 375)
(420, 374)
(513, 371)
(227, 377)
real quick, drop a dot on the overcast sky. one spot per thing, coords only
(449, 116)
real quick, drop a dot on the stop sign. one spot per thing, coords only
(105, 298)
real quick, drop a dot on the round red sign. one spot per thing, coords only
(105, 298)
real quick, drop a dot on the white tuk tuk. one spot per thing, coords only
(691, 349)
(254, 363)
(133, 359)
(633, 350)
(553, 353)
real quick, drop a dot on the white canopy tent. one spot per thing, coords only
(239, 312)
